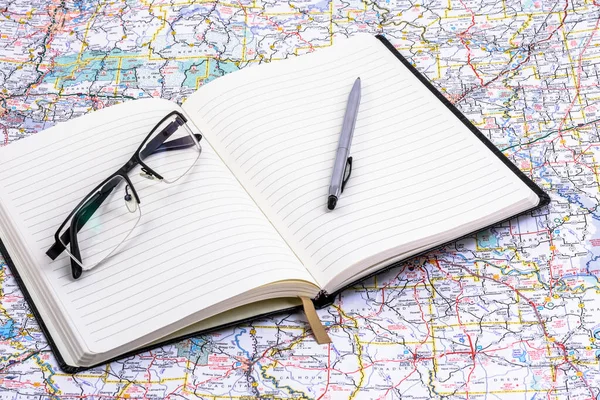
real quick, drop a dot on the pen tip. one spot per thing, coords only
(331, 202)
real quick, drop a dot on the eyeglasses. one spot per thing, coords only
(108, 214)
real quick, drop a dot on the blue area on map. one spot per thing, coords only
(197, 344)
(520, 355)
(486, 239)
(591, 260)
(193, 9)
(6, 330)
(85, 4)
(193, 70)
(92, 66)
(588, 282)
(323, 5)
(220, 68)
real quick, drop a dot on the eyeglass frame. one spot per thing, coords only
(58, 247)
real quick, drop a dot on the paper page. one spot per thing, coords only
(417, 170)
(199, 241)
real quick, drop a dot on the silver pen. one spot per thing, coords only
(343, 164)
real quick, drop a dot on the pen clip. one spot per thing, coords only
(349, 171)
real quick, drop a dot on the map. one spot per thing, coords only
(510, 313)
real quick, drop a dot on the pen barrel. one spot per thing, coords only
(350, 118)
(337, 176)
(343, 150)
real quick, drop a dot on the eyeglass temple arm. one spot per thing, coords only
(87, 211)
(158, 144)
(176, 144)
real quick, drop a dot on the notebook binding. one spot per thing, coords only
(323, 299)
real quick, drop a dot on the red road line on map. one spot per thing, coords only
(399, 360)
(472, 352)
(415, 358)
(229, 372)
(562, 22)
(577, 92)
(461, 37)
(560, 346)
(289, 32)
(277, 26)
(328, 371)
(398, 384)
(192, 388)
(546, 231)
(583, 151)
(422, 313)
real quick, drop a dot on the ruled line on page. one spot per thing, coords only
(279, 156)
(69, 197)
(85, 237)
(480, 180)
(48, 237)
(171, 227)
(363, 245)
(416, 213)
(323, 121)
(352, 203)
(327, 157)
(252, 141)
(187, 300)
(293, 75)
(334, 83)
(91, 278)
(333, 90)
(146, 292)
(354, 198)
(201, 178)
(132, 256)
(331, 156)
(63, 148)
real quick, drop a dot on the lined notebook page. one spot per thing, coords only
(417, 170)
(199, 241)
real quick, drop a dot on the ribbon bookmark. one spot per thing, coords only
(319, 331)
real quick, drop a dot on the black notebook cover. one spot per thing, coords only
(324, 299)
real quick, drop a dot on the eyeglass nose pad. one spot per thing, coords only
(129, 201)
(146, 174)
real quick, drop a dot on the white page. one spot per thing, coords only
(199, 241)
(417, 170)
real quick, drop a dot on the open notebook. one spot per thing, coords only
(247, 231)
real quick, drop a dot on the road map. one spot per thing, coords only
(511, 313)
